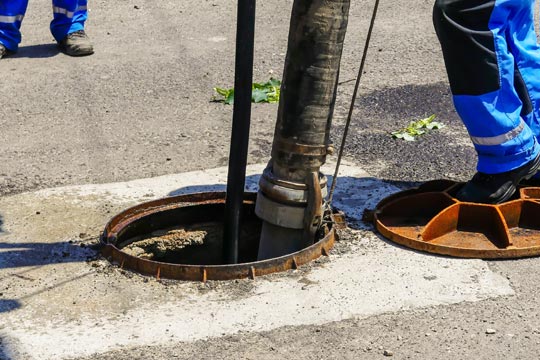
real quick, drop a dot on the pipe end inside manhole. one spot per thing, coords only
(182, 238)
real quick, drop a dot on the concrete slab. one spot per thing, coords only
(56, 302)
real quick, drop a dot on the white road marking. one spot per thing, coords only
(69, 310)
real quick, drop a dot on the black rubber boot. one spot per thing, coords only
(496, 188)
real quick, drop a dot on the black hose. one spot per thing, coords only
(308, 94)
(245, 38)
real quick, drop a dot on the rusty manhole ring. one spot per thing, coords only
(189, 209)
(429, 218)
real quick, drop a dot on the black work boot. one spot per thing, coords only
(76, 44)
(3, 51)
(496, 188)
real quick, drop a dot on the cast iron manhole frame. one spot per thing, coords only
(129, 218)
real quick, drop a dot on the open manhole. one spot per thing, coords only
(181, 238)
(430, 218)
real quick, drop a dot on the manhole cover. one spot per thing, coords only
(429, 218)
(181, 238)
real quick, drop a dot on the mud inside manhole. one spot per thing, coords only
(193, 244)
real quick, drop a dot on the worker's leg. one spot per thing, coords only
(488, 92)
(68, 27)
(69, 17)
(481, 69)
(522, 42)
(11, 15)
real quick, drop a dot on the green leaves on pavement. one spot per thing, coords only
(267, 92)
(228, 95)
(418, 128)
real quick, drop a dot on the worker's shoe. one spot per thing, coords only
(3, 51)
(496, 188)
(76, 44)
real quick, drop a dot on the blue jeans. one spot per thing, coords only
(493, 63)
(68, 16)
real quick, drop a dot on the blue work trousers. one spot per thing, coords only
(493, 63)
(68, 16)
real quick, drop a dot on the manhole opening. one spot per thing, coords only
(181, 238)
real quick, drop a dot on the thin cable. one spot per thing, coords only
(355, 92)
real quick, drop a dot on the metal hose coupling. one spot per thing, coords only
(291, 208)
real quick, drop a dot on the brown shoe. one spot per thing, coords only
(76, 44)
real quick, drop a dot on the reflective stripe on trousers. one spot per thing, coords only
(499, 139)
(66, 12)
(11, 19)
(69, 16)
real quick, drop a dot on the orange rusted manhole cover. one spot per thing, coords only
(429, 218)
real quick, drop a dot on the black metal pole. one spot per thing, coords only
(243, 79)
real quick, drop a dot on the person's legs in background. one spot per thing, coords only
(11, 16)
(67, 27)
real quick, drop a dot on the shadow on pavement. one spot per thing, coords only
(7, 305)
(16, 255)
(30, 257)
(252, 184)
(353, 194)
(9, 348)
(4, 355)
(37, 51)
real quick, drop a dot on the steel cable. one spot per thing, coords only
(351, 108)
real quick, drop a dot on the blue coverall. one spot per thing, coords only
(493, 63)
(69, 16)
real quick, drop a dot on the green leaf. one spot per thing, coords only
(259, 95)
(222, 92)
(435, 125)
(274, 82)
(268, 92)
(273, 97)
(229, 100)
(227, 95)
(408, 137)
(418, 128)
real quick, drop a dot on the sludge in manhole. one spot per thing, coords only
(181, 238)
(194, 244)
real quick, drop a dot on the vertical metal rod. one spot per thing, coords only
(243, 79)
